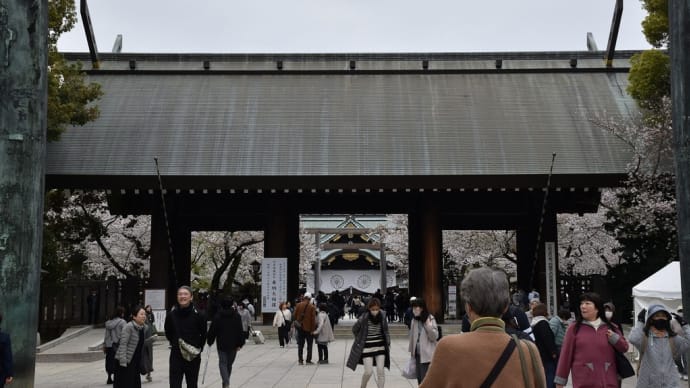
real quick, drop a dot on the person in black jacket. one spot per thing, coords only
(546, 343)
(186, 323)
(226, 327)
(6, 372)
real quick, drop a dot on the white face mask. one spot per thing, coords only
(374, 312)
(608, 314)
(416, 311)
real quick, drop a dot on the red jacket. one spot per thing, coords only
(590, 356)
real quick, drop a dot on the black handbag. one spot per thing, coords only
(623, 366)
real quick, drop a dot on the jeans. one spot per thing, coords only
(301, 337)
(422, 368)
(225, 360)
(179, 368)
(323, 351)
(550, 372)
(369, 370)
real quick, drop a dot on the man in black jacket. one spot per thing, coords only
(226, 327)
(185, 322)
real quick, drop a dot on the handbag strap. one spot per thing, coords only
(523, 363)
(498, 367)
(541, 379)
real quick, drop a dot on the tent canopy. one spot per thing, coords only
(663, 287)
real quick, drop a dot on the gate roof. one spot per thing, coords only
(243, 118)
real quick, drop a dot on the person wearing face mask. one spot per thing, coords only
(589, 348)
(659, 346)
(371, 346)
(610, 312)
(423, 337)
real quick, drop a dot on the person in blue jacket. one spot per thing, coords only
(6, 372)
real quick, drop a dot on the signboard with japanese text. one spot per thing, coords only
(551, 277)
(273, 283)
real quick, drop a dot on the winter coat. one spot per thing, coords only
(324, 330)
(558, 327)
(113, 329)
(6, 364)
(588, 353)
(147, 351)
(226, 327)
(544, 338)
(309, 320)
(129, 340)
(465, 360)
(246, 318)
(360, 330)
(187, 323)
(427, 338)
(280, 318)
(657, 368)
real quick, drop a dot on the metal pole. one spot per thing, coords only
(173, 270)
(541, 223)
(23, 115)
(679, 48)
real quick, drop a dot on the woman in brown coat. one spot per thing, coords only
(466, 360)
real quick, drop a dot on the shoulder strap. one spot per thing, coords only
(498, 367)
(672, 344)
(541, 379)
(523, 363)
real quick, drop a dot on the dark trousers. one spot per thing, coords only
(110, 363)
(179, 367)
(283, 335)
(301, 337)
(323, 351)
(422, 368)
(550, 372)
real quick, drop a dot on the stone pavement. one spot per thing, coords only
(256, 366)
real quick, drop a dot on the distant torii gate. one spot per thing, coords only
(355, 247)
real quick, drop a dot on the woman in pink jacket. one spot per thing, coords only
(589, 348)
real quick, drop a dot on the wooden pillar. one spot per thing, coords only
(159, 268)
(432, 266)
(415, 254)
(526, 236)
(182, 250)
(281, 239)
(23, 94)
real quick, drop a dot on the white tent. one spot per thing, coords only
(663, 288)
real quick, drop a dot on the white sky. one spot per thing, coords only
(308, 26)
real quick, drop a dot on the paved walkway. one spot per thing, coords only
(256, 366)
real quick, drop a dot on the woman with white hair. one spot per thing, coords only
(486, 356)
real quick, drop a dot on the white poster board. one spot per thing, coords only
(551, 272)
(273, 283)
(156, 298)
(452, 301)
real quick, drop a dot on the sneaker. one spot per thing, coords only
(281, 346)
(310, 363)
(110, 381)
(301, 362)
(323, 362)
(685, 377)
(149, 378)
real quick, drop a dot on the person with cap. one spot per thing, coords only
(184, 322)
(589, 348)
(659, 346)
(305, 324)
(423, 337)
(486, 356)
(226, 331)
(407, 317)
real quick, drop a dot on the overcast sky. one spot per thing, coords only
(279, 26)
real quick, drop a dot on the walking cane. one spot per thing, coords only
(208, 355)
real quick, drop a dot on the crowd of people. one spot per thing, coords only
(501, 343)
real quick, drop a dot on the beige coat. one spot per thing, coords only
(324, 331)
(427, 339)
(465, 360)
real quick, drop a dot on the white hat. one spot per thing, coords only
(307, 295)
